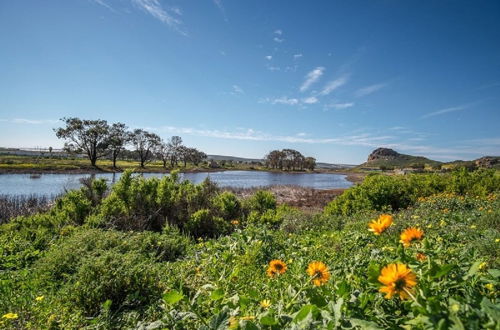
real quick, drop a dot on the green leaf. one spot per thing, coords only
(444, 270)
(304, 312)
(268, 320)
(491, 309)
(494, 272)
(217, 294)
(172, 297)
(373, 273)
(473, 269)
(368, 325)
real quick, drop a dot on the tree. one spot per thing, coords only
(88, 136)
(145, 144)
(310, 163)
(118, 138)
(196, 156)
(174, 146)
(164, 153)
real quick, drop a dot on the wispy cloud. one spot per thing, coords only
(104, 4)
(278, 32)
(30, 121)
(334, 84)
(279, 40)
(339, 106)
(446, 110)
(268, 57)
(311, 78)
(254, 135)
(285, 100)
(297, 56)
(369, 89)
(238, 90)
(310, 100)
(168, 16)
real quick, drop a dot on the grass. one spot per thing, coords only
(73, 267)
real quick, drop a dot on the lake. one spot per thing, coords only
(54, 184)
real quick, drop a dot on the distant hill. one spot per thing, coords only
(385, 157)
(388, 158)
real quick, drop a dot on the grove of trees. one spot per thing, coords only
(290, 160)
(97, 139)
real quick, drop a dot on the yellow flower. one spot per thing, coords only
(483, 265)
(235, 222)
(473, 227)
(10, 316)
(397, 279)
(497, 240)
(319, 273)
(39, 298)
(276, 267)
(247, 318)
(455, 308)
(410, 234)
(490, 286)
(266, 303)
(383, 222)
(429, 226)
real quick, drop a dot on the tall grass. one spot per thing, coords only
(14, 206)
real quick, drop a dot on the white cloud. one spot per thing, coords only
(280, 40)
(443, 111)
(310, 100)
(278, 32)
(155, 9)
(333, 85)
(369, 90)
(297, 56)
(237, 90)
(268, 57)
(311, 78)
(339, 106)
(285, 100)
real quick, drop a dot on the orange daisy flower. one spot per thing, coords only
(319, 273)
(276, 267)
(398, 279)
(410, 234)
(383, 222)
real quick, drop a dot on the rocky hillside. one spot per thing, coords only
(385, 157)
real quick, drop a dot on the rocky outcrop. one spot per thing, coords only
(487, 161)
(383, 154)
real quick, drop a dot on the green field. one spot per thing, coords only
(46, 164)
(161, 254)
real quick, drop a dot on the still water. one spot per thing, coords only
(54, 184)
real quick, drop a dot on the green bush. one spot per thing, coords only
(262, 201)
(127, 280)
(386, 193)
(204, 224)
(64, 259)
(228, 205)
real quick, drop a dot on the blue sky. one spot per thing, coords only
(332, 79)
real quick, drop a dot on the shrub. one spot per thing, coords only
(204, 224)
(262, 201)
(128, 280)
(228, 205)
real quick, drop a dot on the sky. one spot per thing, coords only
(332, 79)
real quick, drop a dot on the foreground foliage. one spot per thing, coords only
(156, 254)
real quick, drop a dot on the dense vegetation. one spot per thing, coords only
(161, 253)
